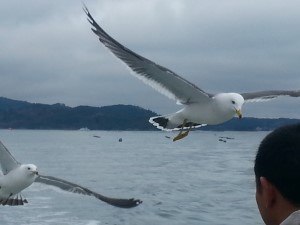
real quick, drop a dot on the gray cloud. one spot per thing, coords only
(48, 53)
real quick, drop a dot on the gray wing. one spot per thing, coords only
(158, 77)
(268, 95)
(71, 187)
(7, 161)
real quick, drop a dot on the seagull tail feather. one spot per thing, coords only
(13, 201)
(171, 122)
(161, 122)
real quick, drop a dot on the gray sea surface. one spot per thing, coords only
(198, 180)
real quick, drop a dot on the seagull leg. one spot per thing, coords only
(182, 133)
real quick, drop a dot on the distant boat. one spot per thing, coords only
(228, 138)
(84, 129)
(222, 140)
(96, 136)
(120, 139)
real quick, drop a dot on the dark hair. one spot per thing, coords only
(278, 160)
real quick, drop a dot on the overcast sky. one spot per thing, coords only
(49, 54)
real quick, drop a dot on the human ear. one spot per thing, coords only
(268, 192)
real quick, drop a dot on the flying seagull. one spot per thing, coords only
(16, 177)
(200, 108)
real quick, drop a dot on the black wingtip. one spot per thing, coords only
(121, 203)
(136, 202)
(126, 203)
(84, 7)
(87, 12)
(90, 19)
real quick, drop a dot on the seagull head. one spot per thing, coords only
(30, 169)
(236, 102)
(230, 103)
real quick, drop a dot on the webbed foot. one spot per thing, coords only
(181, 135)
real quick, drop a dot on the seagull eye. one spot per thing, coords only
(233, 102)
(28, 168)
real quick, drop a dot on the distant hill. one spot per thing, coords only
(251, 124)
(24, 115)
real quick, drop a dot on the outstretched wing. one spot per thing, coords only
(268, 95)
(71, 187)
(7, 161)
(158, 77)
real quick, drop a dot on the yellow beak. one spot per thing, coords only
(35, 172)
(239, 113)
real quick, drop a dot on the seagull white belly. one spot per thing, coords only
(205, 114)
(13, 183)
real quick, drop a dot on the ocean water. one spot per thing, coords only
(198, 180)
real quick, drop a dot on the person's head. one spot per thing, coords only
(277, 173)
